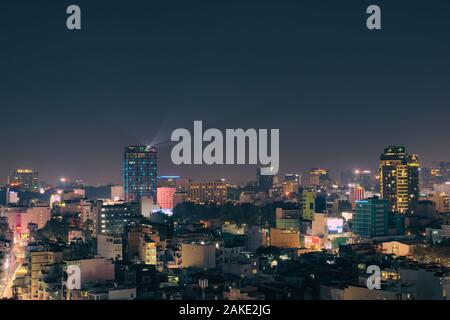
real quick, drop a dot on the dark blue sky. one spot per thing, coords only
(139, 69)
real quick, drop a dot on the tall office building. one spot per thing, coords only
(356, 193)
(140, 172)
(265, 182)
(399, 179)
(307, 205)
(318, 177)
(165, 197)
(291, 183)
(114, 218)
(208, 192)
(24, 180)
(371, 218)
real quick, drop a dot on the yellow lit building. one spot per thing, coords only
(398, 248)
(289, 188)
(307, 205)
(148, 251)
(38, 261)
(399, 179)
(208, 192)
(282, 238)
(318, 176)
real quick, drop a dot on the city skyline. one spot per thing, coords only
(335, 175)
(224, 157)
(338, 92)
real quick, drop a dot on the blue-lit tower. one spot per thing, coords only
(140, 172)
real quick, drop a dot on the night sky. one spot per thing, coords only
(339, 93)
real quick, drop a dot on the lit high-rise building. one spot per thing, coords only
(265, 182)
(399, 179)
(113, 218)
(147, 250)
(356, 193)
(318, 177)
(140, 172)
(24, 180)
(208, 192)
(307, 205)
(165, 197)
(371, 218)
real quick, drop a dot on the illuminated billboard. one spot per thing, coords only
(335, 225)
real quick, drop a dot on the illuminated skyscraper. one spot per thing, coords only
(25, 180)
(318, 177)
(399, 179)
(371, 218)
(140, 172)
(307, 205)
(356, 193)
(265, 182)
(114, 218)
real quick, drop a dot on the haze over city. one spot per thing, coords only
(133, 74)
